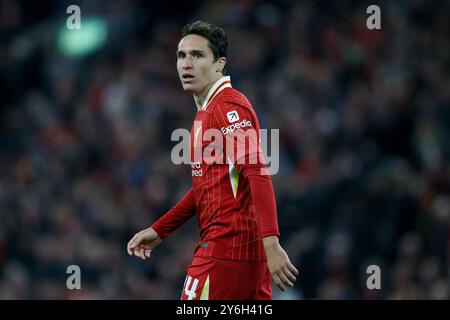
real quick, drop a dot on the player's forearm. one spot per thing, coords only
(176, 217)
(263, 197)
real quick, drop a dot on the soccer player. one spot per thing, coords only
(233, 198)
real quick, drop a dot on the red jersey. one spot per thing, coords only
(226, 188)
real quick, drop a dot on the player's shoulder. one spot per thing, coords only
(230, 97)
(232, 107)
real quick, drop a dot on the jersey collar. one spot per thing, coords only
(222, 83)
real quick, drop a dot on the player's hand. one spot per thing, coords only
(282, 270)
(143, 242)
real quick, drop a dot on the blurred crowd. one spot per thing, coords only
(364, 120)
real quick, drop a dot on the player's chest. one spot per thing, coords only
(203, 127)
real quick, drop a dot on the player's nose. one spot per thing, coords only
(187, 64)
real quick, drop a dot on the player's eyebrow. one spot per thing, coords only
(197, 51)
(181, 53)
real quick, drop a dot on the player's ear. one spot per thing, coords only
(221, 64)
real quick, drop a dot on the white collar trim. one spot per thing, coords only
(222, 83)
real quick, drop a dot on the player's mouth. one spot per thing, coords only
(187, 78)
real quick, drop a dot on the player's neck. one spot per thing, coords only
(201, 96)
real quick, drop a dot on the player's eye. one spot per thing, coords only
(197, 55)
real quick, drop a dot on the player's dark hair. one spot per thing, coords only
(217, 38)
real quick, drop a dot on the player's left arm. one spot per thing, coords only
(282, 270)
(243, 156)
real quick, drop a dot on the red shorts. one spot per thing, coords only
(217, 279)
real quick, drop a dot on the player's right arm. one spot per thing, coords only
(146, 240)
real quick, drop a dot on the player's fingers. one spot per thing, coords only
(147, 253)
(278, 282)
(129, 246)
(142, 253)
(147, 246)
(136, 252)
(132, 244)
(284, 279)
(289, 274)
(293, 269)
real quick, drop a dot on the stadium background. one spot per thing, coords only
(364, 142)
